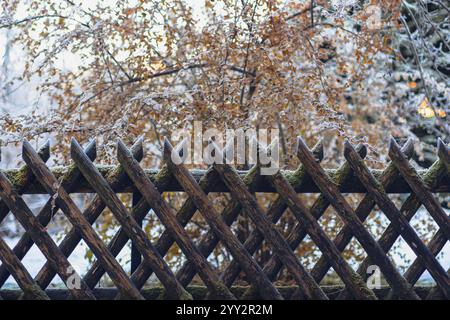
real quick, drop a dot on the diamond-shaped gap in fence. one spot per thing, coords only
(402, 255)
(424, 224)
(10, 227)
(331, 278)
(348, 246)
(376, 222)
(33, 261)
(331, 222)
(354, 253)
(308, 252)
(10, 232)
(333, 226)
(444, 256)
(194, 224)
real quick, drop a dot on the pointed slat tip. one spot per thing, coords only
(27, 149)
(140, 140)
(137, 149)
(44, 150)
(441, 145)
(362, 150)
(123, 153)
(122, 149)
(347, 144)
(393, 145)
(91, 144)
(301, 145)
(26, 144)
(167, 143)
(300, 141)
(443, 151)
(393, 141)
(318, 150)
(74, 143)
(167, 148)
(219, 153)
(408, 147)
(348, 148)
(120, 144)
(46, 145)
(75, 147)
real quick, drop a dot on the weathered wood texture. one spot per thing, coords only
(147, 188)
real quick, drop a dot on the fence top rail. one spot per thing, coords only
(352, 185)
(21, 179)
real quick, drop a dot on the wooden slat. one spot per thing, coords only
(418, 267)
(298, 233)
(376, 190)
(398, 176)
(187, 210)
(200, 292)
(20, 274)
(265, 288)
(275, 211)
(354, 283)
(120, 239)
(444, 154)
(46, 213)
(25, 179)
(439, 240)
(419, 188)
(136, 234)
(79, 222)
(436, 292)
(209, 241)
(91, 213)
(345, 211)
(136, 257)
(408, 209)
(296, 236)
(167, 217)
(362, 211)
(41, 238)
(22, 185)
(308, 287)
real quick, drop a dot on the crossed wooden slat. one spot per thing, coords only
(268, 287)
(79, 222)
(173, 288)
(41, 238)
(347, 214)
(244, 202)
(220, 228)
(28, 178)
(167, 217)
(408, 210)
(20, 273)
(230, 214)
(275, 211)
(91, 213)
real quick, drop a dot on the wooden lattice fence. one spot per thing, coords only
(399, 176)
